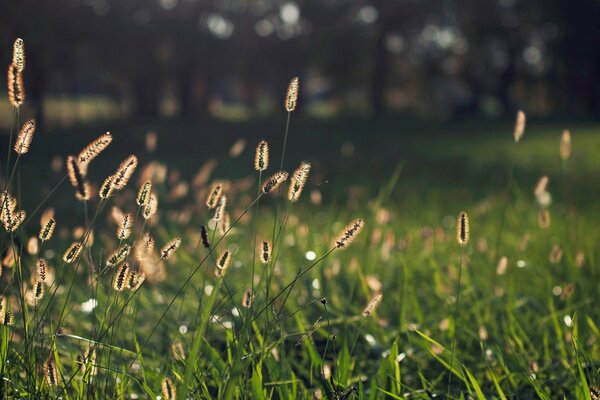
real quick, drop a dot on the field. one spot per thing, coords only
(525, 326)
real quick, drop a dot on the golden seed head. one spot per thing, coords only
(41, 267)
(298, 181)
(168, 390)
(38, 290)
(261, 159)
(50, 371)
(77, 179)
(19, 54)
(135, 280)
(92, 150)
(25, 136)
(462, 229)
(178, 350)
(220, 209)
(72, 252)
(292, 94)
(223, 263)
(264, 250)
(121, 278)
(119, 255)
(47, 229)
(541, 186)
(151, 208)
(248, 299)
(144, 194)
(8, 318)
(124, 172)
(215, 194)
(519, 126)
(107, 189)
(350, 233)
(170, 248)
(373, 304)
(565, 145)
(125, 227)
(15, 221)
(16, 90)
(595, 392)
(274, 181)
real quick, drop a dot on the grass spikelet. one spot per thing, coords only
(143, 196)
(47, 229)
(41, 267)
(204, 236)
(264, 250)
(25, 137)
(261, 158)
(274, 181)
(373, 304)
(92, 150)
(462, 229)
(248, 299)
(8, 318)
(88, 360)
(540, 187)
(19, 54)
(298, 181)
(16, 90)
(151, 208)
(124, 172)
(38, 290)
(50, 371)
(220, 209)
(170, 248)
(215, 194)
(350, 233)
(72, 252)
(177, 350)
(9, 204)
(15, 222)
(519, 126)
(2, 307)
(121, 278)
(125, 227)
(77, 179)
(119, 255)
(565, 145)
(135, 280)
(107, 189)
(502, 265)
(223, 263)
(168, 390)
(291, 97)
(595, 392)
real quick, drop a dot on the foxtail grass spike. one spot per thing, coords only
(168, 390)
(298, 181)
(16, 90)
(274, 181)
(25, 136)
(261, 159)
(170, 248)
(265, 251)
(248, 299)
(92, 150)
(77, 179)
(373, 304)
(38, 290)
(47, 229)
(223, 263)
(107, 189)
(220, 209)
(291, 97)
(215, 194)
(8, 318)
(151, 207)
(519, 126)
(349, 234)
(125, 227)
(72, 252)
(50, 371)
(144, 194)
(19, 54)
(121, 278)
(119, 255)
(124, 172)
(565, 145)
(462, 229)
(41, 267)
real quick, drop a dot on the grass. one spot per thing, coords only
(528, 332)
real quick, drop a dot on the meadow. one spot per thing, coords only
(369, 285)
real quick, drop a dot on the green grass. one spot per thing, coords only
(523, 334)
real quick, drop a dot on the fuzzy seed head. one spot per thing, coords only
(121, 278)
(519, 126)
(565, 145)
(124, 172)
(77, 179)
(19, 54)
(595, 392)
(8, 318)
(274, 181)
(50, 371)
(151, 207)
(25, 136)
(16, 90)
(168, 390)
(291, 97)
(125, 227)
(92, 150)
(220, 209)
(349, 234)
(541, 186)
(223, 263)
(47, 229)
(215, 194)
(144, 194)
(248, 299)
(264, 251)
(373, 304)
(298, 181)
(38, 290)
(170, 248)
(261, 159)
(462, 229)
(73, 252)
(41, 267)
(119, 255)
(107, 189)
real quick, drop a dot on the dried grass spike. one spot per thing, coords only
(248, 299)
(462, 229)
(118, 256)
(215, 194)
(38, 290)
(144, 194)
(220, 209)
(107, 189)
(519, 126)
(41, 267)
(265, 251)
(224, 224)
(19, 54)
(299, 179)
(25, 137)
(274, 181)
(204, 236)
(77, 179)
(291, 97)
(47, 229)
(151, 208)
(135, 280)
(373, 304)
(349, 234)
(168, 390)
(170, 248)
(121, 278)
(16, 90)
(72, 252)
(125, 227)
(50, 371)
(8, 318)
(223, 263)
(124, 172)
(261, 158)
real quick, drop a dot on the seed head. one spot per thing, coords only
(124, 172)
(144, 194)
(121, 278)
(274, 181)
(16, 90)
(119, 255)
(223, 263)
(124, 228)
(19, 54)
(151, 207)
(220, 209)
(170, 248)
(38, 290)
(50, 371)
(264, 251)
(373, 304)
(292, 94)
(215, 194)
(298, 181)
(462, 229)
(25, 136)
(565, 145)
(519, 126)
(72, 252)
(92, 150)
(349, 234)
(47, 229)
(204, 236)
(261, 159)
(107, 189)
(77, 179)
(168, 390)
(41, 267)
